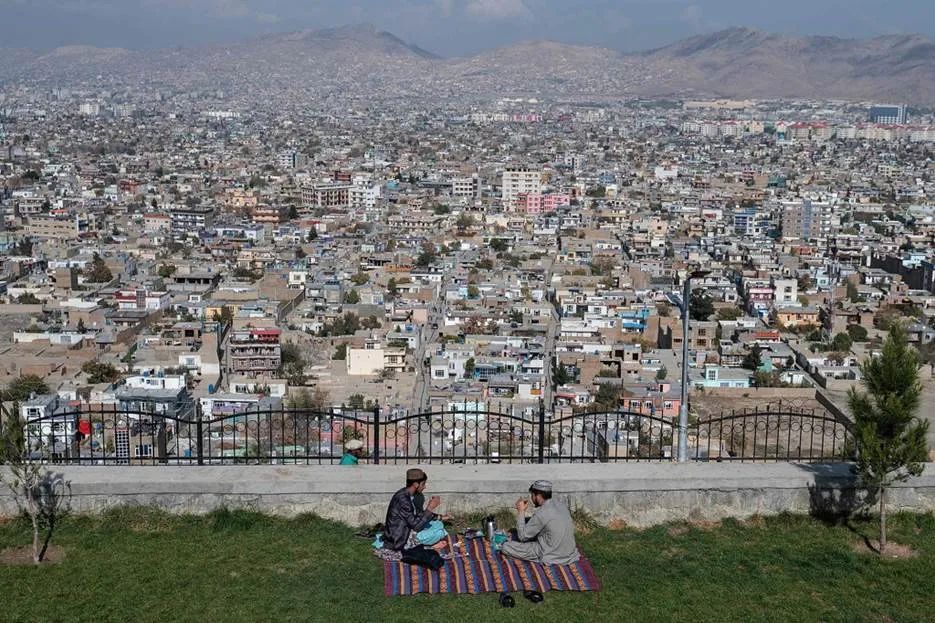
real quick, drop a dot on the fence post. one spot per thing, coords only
(541, 431)
(376, 434)
(199, 433)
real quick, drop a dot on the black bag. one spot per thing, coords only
(423, 557)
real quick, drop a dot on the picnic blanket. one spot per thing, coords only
(474, 568)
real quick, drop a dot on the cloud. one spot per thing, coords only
(497, 9)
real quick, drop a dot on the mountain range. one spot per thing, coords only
(361, 60)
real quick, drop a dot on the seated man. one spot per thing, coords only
(549, 535)
(353, 450)
(405, 515)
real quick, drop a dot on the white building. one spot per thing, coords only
(518, 180)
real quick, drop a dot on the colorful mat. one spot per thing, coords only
(475, 568)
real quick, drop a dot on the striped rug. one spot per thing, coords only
(476, 569)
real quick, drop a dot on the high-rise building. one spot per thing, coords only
(891, 114)
(517, 180)
(807, 219)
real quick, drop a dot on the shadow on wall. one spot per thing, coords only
(836, 495)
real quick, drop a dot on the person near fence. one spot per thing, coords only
(549, 535)
(353, 450)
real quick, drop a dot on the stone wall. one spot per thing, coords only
(638, 494)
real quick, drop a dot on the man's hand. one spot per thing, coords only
(446, 517)
(433, 503)
(521, 505)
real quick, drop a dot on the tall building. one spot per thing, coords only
(191, 219)
(807, 219)
(255, 352)
(517, 180)
(291, 159)
(891, 114)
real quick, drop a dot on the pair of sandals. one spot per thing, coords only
(507, 601)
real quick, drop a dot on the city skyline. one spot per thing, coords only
(448, 28)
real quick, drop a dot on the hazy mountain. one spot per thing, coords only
(749, 63)
(356, 60)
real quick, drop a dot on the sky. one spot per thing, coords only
(446, 27)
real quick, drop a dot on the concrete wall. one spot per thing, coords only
(638, 494)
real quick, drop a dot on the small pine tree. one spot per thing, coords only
(890, 439)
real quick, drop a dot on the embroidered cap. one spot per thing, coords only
(545, 486)
(354, 444)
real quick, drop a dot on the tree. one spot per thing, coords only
(352, 297)
(464, 221)
(852, 294)
(23, 387)
(28, 298)
(753, 360)
(729, 313)
(340, 353)
(661, 374)
(391, 287)
(81, 328)
(426, 257)
(700, 306)
(292, 366)
(166, 271)
(356, 401)
(469, 366)
(560, 375)
(890, 438)
(312, 234)
(842, 342)
(225, 316)
(857, 333)
(516, 316)
(99, 372)
(499, 245)
(41, 496)
(608, 396)
(360, 278)
(472, 291)
(98, 272)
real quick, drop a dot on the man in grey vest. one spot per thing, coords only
(549, 535)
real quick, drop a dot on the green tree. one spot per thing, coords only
(98, 272)
(842, 342)
(391, 287)
(560, 375)
(469, 368)
(352, 297)
(499, 245)
(100, 372)
(28, 298)
(890, 438)
(356, 401)
(293, 363)
(166, 271)
(464, 221)
(224, 317)
(608, 396)
(700, 306)
(426, 257)
(857, 333)
(852, 294)
(661, 374)
(753, 359)
(472, 291)
(22, 387)
(360, 278)
(340, 353)
(729, 313)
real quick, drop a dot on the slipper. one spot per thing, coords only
(533, 596)
(506, 600)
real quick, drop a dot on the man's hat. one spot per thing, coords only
(543, 486)
(354, 444)
(415, 474)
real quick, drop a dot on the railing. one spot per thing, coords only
(105, 436)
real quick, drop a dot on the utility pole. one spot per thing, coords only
(683, 405)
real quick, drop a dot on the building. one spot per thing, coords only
(518, 180)
(142, 299)
(255, 351)
(275, 215)
(191, 219)
(807, 219)
(52, 228)
(290, 159)
(888, 114)
(330, 195)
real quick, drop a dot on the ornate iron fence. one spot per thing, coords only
(105, 436)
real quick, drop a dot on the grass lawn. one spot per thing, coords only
(143, 565)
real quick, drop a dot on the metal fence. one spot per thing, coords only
(105, 436)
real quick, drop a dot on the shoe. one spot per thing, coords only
(533, 596)
(506, 600)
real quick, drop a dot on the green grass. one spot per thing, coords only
(143, 565)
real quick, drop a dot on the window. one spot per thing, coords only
(667, 404)
(143, 451)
